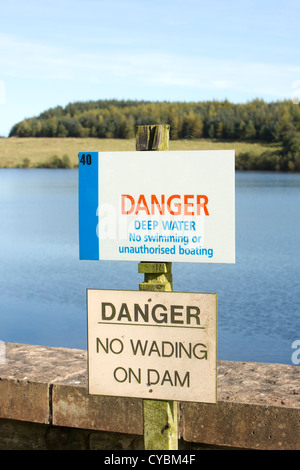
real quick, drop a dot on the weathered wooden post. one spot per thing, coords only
(160, 417)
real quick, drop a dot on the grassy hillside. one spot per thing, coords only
(56, 152)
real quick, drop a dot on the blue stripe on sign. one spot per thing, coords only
(88, 205)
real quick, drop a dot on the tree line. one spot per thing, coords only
(277, 122)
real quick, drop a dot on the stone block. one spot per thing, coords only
(241, 425)
(24, 401)
(74, 407)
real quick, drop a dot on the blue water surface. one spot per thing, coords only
(43, 282)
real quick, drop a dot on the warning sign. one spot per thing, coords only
(171, 206)
(156, 345)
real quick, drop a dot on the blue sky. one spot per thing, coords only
(57, 52)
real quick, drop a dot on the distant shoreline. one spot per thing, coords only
(39, 152)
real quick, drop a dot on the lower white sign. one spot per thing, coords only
(155, 345)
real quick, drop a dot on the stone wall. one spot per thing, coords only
(45, 404)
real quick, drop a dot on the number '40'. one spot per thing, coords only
(86, 159)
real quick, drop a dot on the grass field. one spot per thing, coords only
(35, 152)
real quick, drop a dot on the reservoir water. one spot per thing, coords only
(43, 283)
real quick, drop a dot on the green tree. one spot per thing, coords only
(290, 160)
(197, 127)
(62, 130)
(249, 131)
(175, 128)
(219, 130)
(211, 131)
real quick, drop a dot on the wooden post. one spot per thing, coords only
(160, 417)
